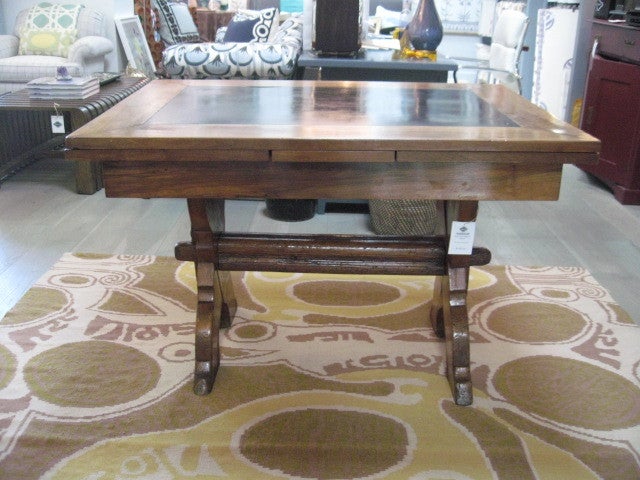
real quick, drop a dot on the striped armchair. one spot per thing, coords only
(79, 43)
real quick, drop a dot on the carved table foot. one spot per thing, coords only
(207, 329)
(449, 315)
(456, 331)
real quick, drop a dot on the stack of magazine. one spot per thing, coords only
(73, 88)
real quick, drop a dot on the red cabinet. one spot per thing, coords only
(611, 110)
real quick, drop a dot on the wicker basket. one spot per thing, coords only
(403, 217)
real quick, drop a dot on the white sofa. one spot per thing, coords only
(84, 56)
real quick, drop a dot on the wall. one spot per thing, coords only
(116, 60)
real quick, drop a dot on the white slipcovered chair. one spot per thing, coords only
(47, 36)
(502, 65)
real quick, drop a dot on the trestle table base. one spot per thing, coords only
(216, 253)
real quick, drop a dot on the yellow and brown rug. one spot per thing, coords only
(329, 377)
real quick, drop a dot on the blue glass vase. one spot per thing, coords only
(425, 28)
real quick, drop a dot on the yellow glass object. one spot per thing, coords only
(397, 33)
(419, 54)
(407, 50)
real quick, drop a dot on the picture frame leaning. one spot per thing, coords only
(135, 45)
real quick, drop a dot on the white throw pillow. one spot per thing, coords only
(176, 23)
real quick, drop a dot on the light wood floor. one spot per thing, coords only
(41, 218)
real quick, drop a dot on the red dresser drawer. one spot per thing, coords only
(617, 41)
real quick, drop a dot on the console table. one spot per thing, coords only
(373, 65)
(306, 139)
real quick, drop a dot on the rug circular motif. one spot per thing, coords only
(570, 391)
(39, 299)
(114, 279)
(557, 294)
(86, 377)
(72, 281)
(277, 277)
(535, 322)
(252, 332)
(340, 434)
(339, 293)
(178, 352)
(8, 370)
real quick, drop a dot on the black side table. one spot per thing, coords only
(373, 65)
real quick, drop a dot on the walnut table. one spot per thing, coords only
(212, 140)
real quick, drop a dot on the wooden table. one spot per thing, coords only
(373, 66)
(214, 140)
(14, 106)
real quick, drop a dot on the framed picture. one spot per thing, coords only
(135, 44)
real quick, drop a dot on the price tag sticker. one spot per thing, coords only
(57, 124)
(462, 236)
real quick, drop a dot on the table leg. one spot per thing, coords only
(216, 303)
(88, 177)
(88, 174)
(449, 313)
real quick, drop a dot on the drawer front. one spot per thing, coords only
(618, 41)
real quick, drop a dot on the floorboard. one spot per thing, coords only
(42, 218)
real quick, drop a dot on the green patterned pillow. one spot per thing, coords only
(49, 29)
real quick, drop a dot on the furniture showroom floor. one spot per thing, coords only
(42, 217)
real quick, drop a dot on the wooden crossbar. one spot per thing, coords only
(328, 254)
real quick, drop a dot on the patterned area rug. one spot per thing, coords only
(329, 377)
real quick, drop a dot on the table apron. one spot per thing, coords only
(342, 180)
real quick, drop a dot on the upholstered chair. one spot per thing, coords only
(49, 35)
(268, 52)
(165, 23)
(504, 53)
